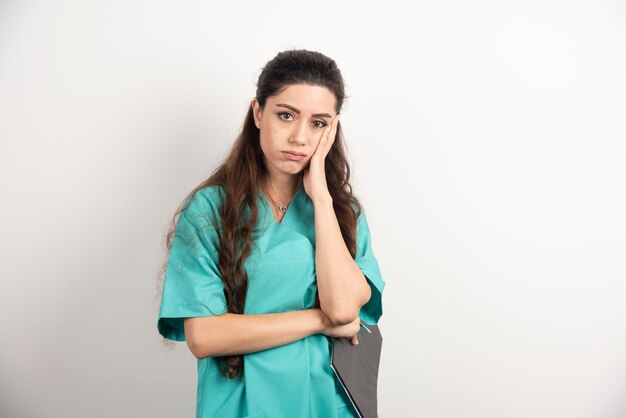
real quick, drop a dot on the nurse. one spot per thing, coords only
(271, 256)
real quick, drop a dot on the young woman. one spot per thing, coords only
(272, 256)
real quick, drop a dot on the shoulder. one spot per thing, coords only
(214, 193)
(206, 199)
(202, 209)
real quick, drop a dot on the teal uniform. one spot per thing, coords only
(294, 380)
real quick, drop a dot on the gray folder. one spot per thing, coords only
(356, 367)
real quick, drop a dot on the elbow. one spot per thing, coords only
(199, 351)
(199, 347)
(193, 347)
(343, 317)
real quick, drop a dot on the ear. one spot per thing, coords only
(257, 112)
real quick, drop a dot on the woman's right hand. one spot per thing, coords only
(339, 331)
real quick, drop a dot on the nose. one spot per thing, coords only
(299, 133)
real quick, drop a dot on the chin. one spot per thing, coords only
(291, 168)
(293, 171)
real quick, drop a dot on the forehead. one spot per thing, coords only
(309, 99)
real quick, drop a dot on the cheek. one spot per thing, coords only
(268, 144)
(270, 138)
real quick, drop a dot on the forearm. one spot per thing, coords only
(341, 284)
(232, 334)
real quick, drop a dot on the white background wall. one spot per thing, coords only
(488, 146)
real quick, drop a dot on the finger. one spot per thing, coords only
(335, 125)
(328, 135)
(324, 135)
(333, 132)
(330, 129)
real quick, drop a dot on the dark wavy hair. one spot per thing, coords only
(243, 171)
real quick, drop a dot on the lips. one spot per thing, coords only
(294, 157)
(295, 153)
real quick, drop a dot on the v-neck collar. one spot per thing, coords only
(290, 208)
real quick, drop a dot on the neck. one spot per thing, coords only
(284, 187)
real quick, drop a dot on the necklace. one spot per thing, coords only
(281, 208)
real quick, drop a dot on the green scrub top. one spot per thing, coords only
(293, 380)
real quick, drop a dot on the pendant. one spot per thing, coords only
(283, 209)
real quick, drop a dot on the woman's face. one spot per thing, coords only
(293, 121)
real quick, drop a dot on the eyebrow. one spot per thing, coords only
(322, 115)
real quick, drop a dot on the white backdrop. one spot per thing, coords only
(488, 145)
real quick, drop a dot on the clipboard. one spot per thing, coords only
(356, 367)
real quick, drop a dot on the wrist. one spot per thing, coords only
(320, 320)
(322, 200)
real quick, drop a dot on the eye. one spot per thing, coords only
(321, 122)
(283, 113)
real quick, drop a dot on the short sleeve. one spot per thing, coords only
(192, 285)
(372, 311)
